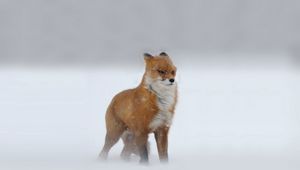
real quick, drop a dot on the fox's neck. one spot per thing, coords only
(145, 84)
(154, 87)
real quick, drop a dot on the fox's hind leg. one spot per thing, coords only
(114, 130)
(129, 145)
(141, 140)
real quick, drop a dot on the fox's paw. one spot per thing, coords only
(102, 156)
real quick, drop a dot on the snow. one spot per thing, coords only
(225, 119)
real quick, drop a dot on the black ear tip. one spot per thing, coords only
(163, 54)
(147, 55)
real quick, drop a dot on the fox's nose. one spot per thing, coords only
(172, 80)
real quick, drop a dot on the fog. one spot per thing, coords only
(74, 32)
(226, 119)
(61, 62)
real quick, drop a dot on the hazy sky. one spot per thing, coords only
(73, 31)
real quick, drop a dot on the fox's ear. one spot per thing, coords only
(163, 54)
(147, 56)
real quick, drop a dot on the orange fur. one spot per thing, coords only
(135, 113)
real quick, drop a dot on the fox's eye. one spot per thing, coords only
(161, 72)
(173, 72)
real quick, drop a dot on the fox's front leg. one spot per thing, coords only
(161, 137)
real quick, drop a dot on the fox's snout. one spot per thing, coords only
(168, 81)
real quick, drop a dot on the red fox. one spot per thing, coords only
(148, 108)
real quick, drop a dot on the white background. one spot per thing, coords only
(61, 62)
(229, 118)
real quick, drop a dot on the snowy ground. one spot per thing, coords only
(225, 119)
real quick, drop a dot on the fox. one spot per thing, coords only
(135, 113)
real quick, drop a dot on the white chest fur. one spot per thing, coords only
(165, 100)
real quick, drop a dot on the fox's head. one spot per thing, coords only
(160, 70)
